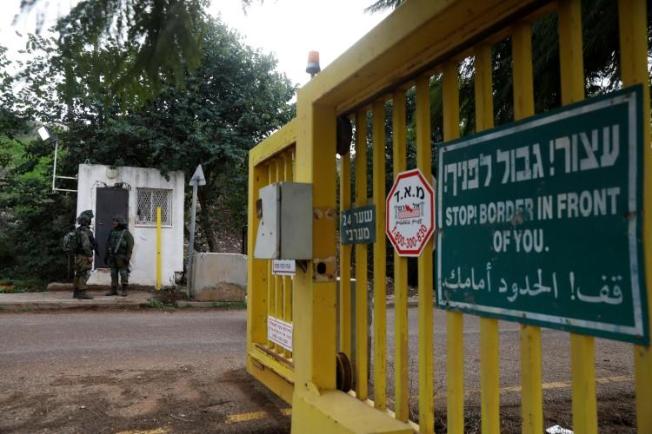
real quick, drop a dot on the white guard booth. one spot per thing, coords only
(135, 193)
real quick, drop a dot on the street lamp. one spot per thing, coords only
(44, 134)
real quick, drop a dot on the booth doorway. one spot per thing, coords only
(110, 201)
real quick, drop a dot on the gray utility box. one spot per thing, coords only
(285, 228)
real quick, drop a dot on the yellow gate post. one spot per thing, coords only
(425, 314)
(632, 16)
(585, 416)
(532, 395)
(158, 248)
(361, 331)
(316, 405)
(454, 320)
(489, 337)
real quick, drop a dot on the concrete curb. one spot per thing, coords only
(137, 300)
(49, 307)
(211, 304)
(143, 303)
(53, 301)
(68, 307)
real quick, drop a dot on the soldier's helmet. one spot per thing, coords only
(85, 217)
(120, 220)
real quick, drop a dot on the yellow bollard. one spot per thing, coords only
(158, 248)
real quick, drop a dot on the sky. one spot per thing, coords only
(286, 28)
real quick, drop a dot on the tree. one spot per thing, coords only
(223, 108)
(163, 37)
(30, 225)
(226, 105)
(601, 61)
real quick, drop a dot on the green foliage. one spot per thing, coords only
(381, 5)
(227, 104)
(28, 247)
(229, 305)
(155, 303)
(33, 218)
(13, 286)
(158, 40)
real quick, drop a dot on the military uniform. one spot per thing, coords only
(83, 255)
(119, 246)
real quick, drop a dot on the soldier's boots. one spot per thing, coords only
(81, 295)
(124, 290)
(114, 291)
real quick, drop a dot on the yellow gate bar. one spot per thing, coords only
(380, 328)
(532, 399)
(361, 333)
(289, 175)
(315, 292)
(256, 268)
(454, 320)
(401, 362)
(271, 279)
(283, 294)
(345, 261)
(278, 282)
(582, 348)
(424, 163)
(158, 248)
(489, 338)
(633, 24)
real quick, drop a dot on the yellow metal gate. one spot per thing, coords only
(269, 295)
(421, 41)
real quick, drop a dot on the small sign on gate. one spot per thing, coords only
(279, 332)
(284, 267)
(358, 225)
(409, 213)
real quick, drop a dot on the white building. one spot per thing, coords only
(135, 193)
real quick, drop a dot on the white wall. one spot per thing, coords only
(143, 265)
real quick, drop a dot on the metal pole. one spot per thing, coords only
(54, 172)
(158, 248)
(191, 243)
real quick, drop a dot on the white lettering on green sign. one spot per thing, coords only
(540, 221)
(358, 225)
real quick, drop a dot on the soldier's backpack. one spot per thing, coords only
(71, 242)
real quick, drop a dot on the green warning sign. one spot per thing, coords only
(541, 221)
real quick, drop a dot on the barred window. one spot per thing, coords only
(151, 198)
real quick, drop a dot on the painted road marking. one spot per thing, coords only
(568, 384)
(253, 415)
(148, 431)
(257, 415)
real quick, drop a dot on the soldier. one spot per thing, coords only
(83, 255)
(118, 254)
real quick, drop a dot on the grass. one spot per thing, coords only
(12, 286)
(230, 305)
(155, 303)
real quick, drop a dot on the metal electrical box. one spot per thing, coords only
(285, 228)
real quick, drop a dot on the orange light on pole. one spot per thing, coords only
(313, 63)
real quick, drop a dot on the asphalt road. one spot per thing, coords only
(163, 372)
(149, 372)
